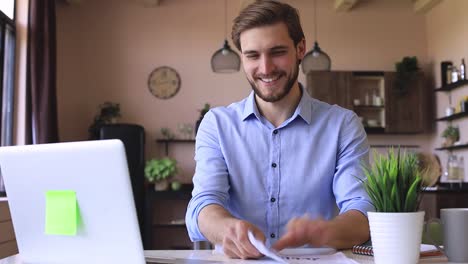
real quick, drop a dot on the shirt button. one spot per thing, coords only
(275, 131)
(273, 165)
(272, 235)
(272, 200)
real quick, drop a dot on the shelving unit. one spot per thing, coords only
(365, 87)
(163, 207)
(167, 142)
(457, 116)
(160, 233)
(452, 86)
(456, 147)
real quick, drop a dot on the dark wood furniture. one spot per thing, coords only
(434, 200)
(407, 113)
(164, 215)
(8, 244)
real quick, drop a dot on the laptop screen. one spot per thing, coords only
(72, 202)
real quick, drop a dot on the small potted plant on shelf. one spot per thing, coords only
(159, 171)
(394, 186)
(451, 135)
(108, 113)
(202, 111)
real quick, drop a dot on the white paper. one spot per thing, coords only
(263, 249)
(301, 255)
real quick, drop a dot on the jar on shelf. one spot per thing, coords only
(454, 74)
(449, 74)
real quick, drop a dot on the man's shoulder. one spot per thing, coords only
(234, 110)
(326, 108)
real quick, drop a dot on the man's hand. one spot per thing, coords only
(220, 227)
(302, 231)
(236, 243)
(344, 231)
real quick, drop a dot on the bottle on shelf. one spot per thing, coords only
(461, 169)
(462, 70)
(451, 173)
(454, 74)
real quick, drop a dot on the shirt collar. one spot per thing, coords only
(304, 108)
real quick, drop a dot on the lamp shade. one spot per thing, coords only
(225, 60)
(316, 60)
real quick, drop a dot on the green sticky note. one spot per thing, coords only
(62, 214)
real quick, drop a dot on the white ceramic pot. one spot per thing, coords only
(161, 185)
(396, 237)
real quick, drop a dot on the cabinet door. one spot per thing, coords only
(330, 87)
(408, 112)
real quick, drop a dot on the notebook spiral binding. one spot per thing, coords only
(363, 250)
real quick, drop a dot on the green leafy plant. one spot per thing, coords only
(394, 182)
(108, 113)
(451, 132)
(204, 110)
(160, 169)
(405, 70)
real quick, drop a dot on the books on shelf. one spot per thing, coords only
(426, 250)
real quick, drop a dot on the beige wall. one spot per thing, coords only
(447, 38)
(107, 48)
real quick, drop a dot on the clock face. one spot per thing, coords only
(164, 82)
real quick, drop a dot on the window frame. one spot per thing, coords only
(7, 75)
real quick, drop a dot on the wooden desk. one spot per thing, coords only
(175, 256)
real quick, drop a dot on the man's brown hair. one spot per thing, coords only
(267, 12)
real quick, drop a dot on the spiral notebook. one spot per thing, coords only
(426, 250)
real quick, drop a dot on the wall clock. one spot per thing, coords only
(164, 82)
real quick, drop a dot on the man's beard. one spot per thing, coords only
(283, 92)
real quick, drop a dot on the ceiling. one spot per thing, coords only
(419, 6)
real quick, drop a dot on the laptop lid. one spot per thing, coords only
(97, 172)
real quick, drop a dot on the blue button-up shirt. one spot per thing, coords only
(267, 175)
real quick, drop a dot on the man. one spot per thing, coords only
(278, 162)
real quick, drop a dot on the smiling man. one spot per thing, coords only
(279, 162)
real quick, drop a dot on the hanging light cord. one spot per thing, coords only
(315, 19)
(225, 20)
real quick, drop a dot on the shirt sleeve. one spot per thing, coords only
(353, 153)
(210, 181)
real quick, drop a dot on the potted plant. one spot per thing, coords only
(405, 72)
(394, 186)
(202, 111)
(451, 135)
(109, 113)
(158, 171)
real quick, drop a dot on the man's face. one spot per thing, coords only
(270, 60)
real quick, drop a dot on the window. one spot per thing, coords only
(7, 64)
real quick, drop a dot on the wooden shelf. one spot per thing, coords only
(168, 225)
(374, 130)
(369, 107)
(452, 86)
(453, 117)
(457, 147)
(166, 143)
(175, 140)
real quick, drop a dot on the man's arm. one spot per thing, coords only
(221, 228)
(344, 231)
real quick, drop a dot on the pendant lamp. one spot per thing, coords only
(316, 59)
(225, 60)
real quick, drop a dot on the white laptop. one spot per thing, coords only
(97, 172)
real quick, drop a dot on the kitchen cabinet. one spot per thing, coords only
(372, 95)
(331, 87)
